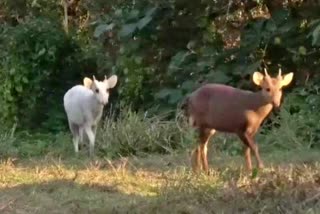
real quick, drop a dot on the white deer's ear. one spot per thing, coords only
(257, 78)
(87, 82)
(286, 79)
(112, 81)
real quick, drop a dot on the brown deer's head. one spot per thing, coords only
(272, 87)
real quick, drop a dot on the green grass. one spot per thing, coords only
(142, 166)
(161, 184)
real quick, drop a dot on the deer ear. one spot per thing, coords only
(87, 82)
(286, 79)
(257, 78)
(112, 81)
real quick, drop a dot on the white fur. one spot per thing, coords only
(84, 106)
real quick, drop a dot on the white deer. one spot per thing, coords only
(84, 105)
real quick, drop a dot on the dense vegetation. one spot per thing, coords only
(161, 51)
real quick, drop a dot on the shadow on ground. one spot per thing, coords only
(65, 196)
(160, 184)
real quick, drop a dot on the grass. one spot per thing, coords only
(160, 184)
(39, 173)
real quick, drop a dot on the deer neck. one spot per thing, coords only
(261, 106)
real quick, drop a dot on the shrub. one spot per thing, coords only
(136, 134)
(39, 63)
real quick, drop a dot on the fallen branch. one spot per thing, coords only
(5, 205)
(308, 200)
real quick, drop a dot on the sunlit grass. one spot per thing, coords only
(160, 184)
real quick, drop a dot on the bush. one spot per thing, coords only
(297, 125)
(40, 62)
(136, 134)
(130, 134)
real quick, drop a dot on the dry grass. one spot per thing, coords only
(160, 184)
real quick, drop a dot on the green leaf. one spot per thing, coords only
(252, 67)
(102, 29)
(144, 22)
(18, 88)
(270, 26)
(25, 80)
(138, 60)
(133, 15)
(151, 11)
(127, 30)
(12, 71)
(280, 16)
(218, 77)
(177, 60)
(118, 12)
(175, 95)
(316, 36)
(187, 85)
(162, 93)
(41, 52)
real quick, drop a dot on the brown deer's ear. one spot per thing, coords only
(87, 82)
(257, 78)
(286, 79)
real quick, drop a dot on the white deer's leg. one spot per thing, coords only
(94, 129)
(81, 136)
(75, 136)
(91, 137)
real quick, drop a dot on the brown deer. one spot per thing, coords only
(217, 107)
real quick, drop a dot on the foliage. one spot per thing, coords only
(297, 126)
(178, 65)
(38, 60)
(161, 51)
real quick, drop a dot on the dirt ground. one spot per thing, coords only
(160, 184)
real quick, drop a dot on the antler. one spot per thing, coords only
(266, 72)
(94, 78)
(279, 74)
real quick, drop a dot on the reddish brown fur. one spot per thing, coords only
(216, 107)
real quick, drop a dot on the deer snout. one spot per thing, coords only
(104, 100)
(276, 105)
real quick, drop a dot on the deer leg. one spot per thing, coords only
(91, 137)
(247, 153)
(204, 139)
(81, 137)
(196, 160)
(75, 136)
(94, 129)
(249, 142)
(199, 159)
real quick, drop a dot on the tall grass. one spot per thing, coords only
(137, 133)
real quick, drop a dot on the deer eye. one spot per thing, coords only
(97, 91)
(268, 89)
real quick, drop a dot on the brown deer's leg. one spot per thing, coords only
(196, 160)
(204, 139)
(199, 159)
(247, 153)
(248, 141)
